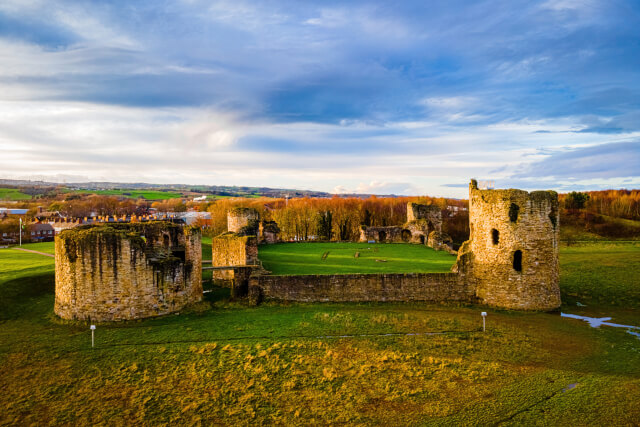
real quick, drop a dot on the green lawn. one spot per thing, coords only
(309, 258)
(225, 362)
(135, 194)
(46, 247)
(13, 194)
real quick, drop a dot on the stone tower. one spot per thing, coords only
(243, 221)
(511, 257)
(127, 271)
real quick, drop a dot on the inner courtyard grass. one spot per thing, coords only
(225, 362)
(340, 258)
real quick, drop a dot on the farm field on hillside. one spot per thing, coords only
(13, 194)
(224, 362)
(135, 194)
(340, 258)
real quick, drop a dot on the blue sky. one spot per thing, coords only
(376, 97)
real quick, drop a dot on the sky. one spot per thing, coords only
(408, 97)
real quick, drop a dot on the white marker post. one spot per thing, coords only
(93, 329)
(20, 231)
(484, 316)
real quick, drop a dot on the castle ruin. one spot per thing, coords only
(423, 226)
(239, 245)
(510, 260)
(123, 271)
(511, 257)
(126, 271)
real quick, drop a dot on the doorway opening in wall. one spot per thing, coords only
(382, 236)
(495, 236)
(422, 240)
(517, 260)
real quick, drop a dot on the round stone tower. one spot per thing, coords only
(126, 271)
(512, 255)
(243, 221)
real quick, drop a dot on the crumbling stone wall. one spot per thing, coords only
(269, 232)
(383, 234)
(243, 221)
(421, 220)
(429, 213)
(511, 258)
(126, 271)
(433, 287)
(231, 249)
(441, 242)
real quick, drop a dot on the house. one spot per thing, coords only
(41, 232)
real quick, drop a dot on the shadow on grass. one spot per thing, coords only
(16, 295)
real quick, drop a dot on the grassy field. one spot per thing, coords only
(230, 363)
(339, 258)
(135, 194)
(13, 194)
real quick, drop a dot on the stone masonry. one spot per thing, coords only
(126, 271)
(511, 258)
(231, 249)
(433, 287)
(243, 221)
(421, 220)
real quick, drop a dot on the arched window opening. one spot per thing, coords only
(382, 236)
(517, 260)
(422, 239)
(513, 212)
(495, 236)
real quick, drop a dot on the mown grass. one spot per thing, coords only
(600, 278)
(135, 194)
(13, 194)
(224, 362)
(46, 247)
(340, 258)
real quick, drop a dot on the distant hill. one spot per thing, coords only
(42, 187)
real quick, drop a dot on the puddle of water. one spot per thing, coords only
(596, 322)
(569, 387)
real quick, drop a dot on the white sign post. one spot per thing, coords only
(93, 329)
(484, 316)
(20, 231)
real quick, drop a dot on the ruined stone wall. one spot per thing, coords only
(231, 249)
(430, 213)
(269, 232)
(243, 221)
(441, 242)
(126, 271)
(383, 234)
(434, 287)
(512, 256)
(419, 230)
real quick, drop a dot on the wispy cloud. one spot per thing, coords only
(370, 96)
